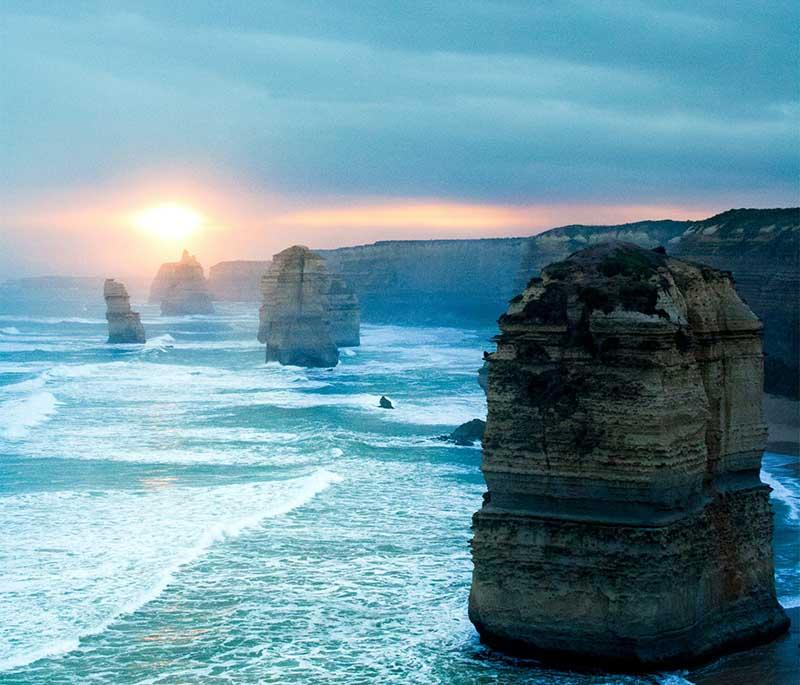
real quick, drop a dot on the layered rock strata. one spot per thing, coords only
(124, 325)
(761, 247)
(295, 314)
(625, 521)
(181, 288)
(344, 312)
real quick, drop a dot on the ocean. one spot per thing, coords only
(181, 512)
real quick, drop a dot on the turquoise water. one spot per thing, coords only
(183, 513)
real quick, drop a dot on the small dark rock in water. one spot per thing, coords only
(467, 433)
(385, 403)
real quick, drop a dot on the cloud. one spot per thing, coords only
(610, 103)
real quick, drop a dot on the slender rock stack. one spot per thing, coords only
(345, 314)
(295, 316)
(124, 325)
(181, 288)
(625, 521)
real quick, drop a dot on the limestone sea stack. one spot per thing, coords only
(345, 314)
(181, 288)
(294, 316)
(625, 520)
(124, 325)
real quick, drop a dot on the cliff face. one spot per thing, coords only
(558, 243)
(124, 325)
(294, 316)
(418, 281)
(181, 288)
(625, 520)
(238, 281)
(344, 313)
(761, 247)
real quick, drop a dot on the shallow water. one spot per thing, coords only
(182, 512)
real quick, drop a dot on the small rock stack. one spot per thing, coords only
(124, 325)
(625, 520)
(295, 314)
(181, 288)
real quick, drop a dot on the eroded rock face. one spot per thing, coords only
(625, 520)
(345, 314)
(124, 325)
(294, 316)
(181, 288)
(761, 247)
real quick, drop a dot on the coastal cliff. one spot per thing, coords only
(555, 244)
(124, 325)
(761, 247)
(625, 521)
(344, 313)
(295, 316)
(181, 288)
(420, 281)
(237, 281)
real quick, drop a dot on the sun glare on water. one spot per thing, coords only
(169, 221)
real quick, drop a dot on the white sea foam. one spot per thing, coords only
(19, 416)
(784, 494)
(74, 562)
(51, 319)
(159, 343)
(10, 330)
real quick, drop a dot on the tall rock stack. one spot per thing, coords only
(294, 316)
(124, 325)
(345, 314)
(625, 521)
(181, 288)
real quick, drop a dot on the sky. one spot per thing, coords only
(334, 123)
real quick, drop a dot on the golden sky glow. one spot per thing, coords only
(169, 221)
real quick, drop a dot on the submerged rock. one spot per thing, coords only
(294, 316)
(385, 403)
(625, 520)
(467, 433)
(124, 325)
(345, 314)
(181, 288)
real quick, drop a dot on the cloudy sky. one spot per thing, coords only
(333, 123)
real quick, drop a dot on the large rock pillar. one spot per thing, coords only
(625, 521)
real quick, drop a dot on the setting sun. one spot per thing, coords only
(169, 221)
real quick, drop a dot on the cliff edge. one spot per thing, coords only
(761, 247)
(625, 522)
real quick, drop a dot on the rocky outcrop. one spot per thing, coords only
(294, 316)
(625, 521)
(344, 312)
(124, 325)
(467, 433)
(385, 403)
(761, 247)
(238, 281)
(181, 288)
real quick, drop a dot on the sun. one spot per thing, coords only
(169, 221)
